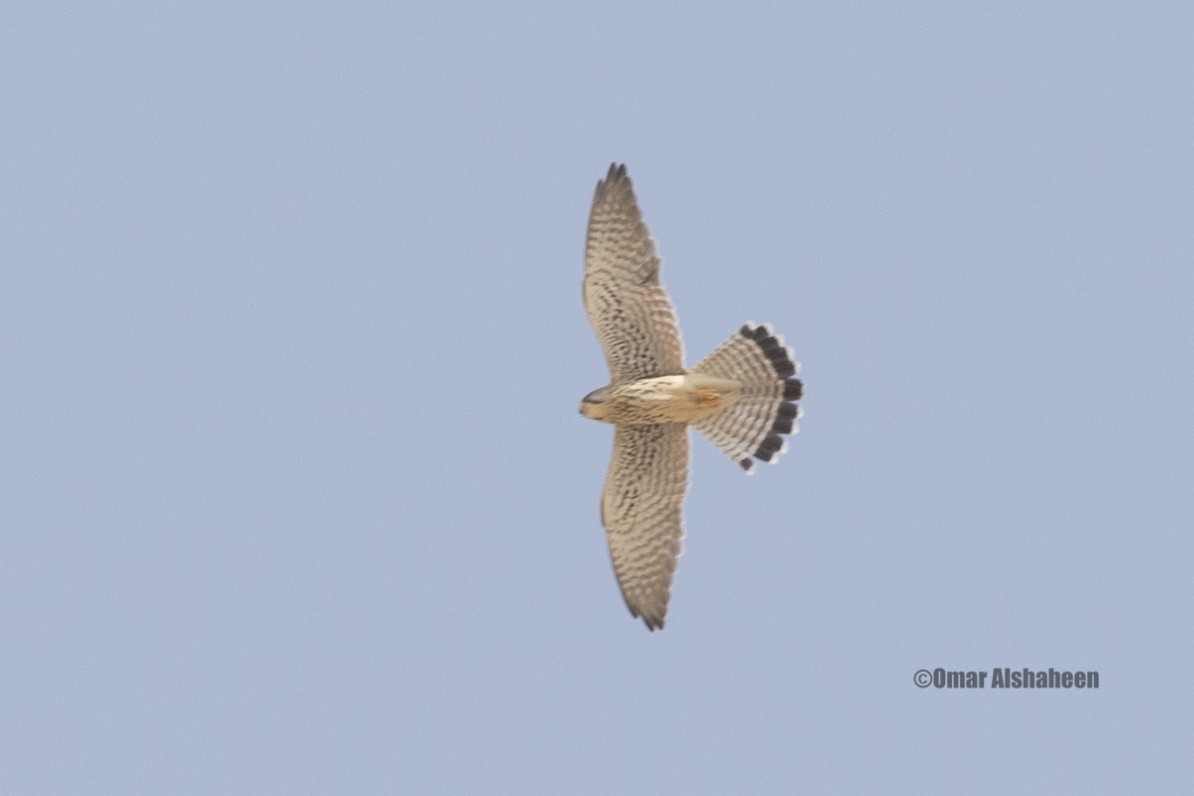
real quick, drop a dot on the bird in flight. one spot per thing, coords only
(742, 397)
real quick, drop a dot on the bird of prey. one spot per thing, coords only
(742, 397)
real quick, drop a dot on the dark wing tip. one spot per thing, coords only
(616, 173)
(652, 621)
(614, 178)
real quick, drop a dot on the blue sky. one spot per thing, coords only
(294, 494)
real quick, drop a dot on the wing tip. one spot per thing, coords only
(616, 174)
(654, 620)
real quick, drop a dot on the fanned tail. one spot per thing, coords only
(758, 360)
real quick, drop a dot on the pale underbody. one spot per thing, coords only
(663, 399)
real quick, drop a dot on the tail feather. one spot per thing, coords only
(758, 360)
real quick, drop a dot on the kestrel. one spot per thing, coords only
(741, 397)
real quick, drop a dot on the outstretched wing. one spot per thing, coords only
(626, 303)
(640, 509)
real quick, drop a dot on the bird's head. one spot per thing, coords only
(595, 405)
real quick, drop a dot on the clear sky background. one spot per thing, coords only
(294, 492)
